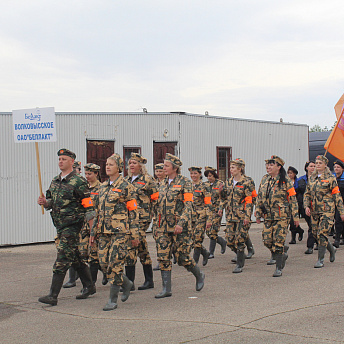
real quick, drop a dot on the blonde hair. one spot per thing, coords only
(326, 172)
(143, 169)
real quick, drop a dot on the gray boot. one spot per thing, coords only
(197, 253)
(126, 286)
(235, 259)
(280, 263)
(332, 251)
(321, 256)
(112, 303)
(272, 260)
(212, 246)
(240, 262)
(56, 285)
(200, 276)
(205, 255)
(72, 278)
(250, 249)
(223, 244)
(166, 285)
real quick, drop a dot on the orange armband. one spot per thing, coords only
(207, 200)
(254, 193)
(154, 196)
(291, 192)
(248, 199)
(188, 197)
(335, 190)
(87, 202)
(131, 205)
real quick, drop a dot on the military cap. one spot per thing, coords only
(293, 169)
(159, 167)
(322, 158)
(92, 167)
(238, 161)
(340, 163)
(66, 152)
(277, 159)
(138, 157)
(118, 160)
(195, 168)
(208, 168)
(77, 164)
(173, 159)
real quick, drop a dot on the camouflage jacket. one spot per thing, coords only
(322, 194)
(215, 194)
(202, 206)
(275, 203)
(146, 194)
(69, 200)
(116, 209)
(174, 205)
(237, 200)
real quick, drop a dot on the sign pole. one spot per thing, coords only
(39, 174)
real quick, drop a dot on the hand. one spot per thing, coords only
(208, 225)
(342, 217)
(246, 222)
(221, 188)
(308, 211)
(178, 229)
(258, 220)
(135, 242)
(220, 213)
(42, 201)
(296, 223)
(91, 240)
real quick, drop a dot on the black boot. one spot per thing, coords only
(250, 248)
(212, 246)
(72, 278)
(148, 272)
(205, 255)
(293, 238)
(240, 262)
(127, 286)
(272, 260)
(222, 242)
(130, 273)
(300, 231)
(321, 256)
(197, 253)
(112, 303)
(104, 280)
(86, 279)
(200, 276)
(332, 251)
(157, 267)
(166, 285)
(280, 263)
(56, 285)
(94, 267)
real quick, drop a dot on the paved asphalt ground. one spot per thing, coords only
(305, 305)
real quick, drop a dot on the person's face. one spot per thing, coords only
(91, 177)
(267, 167)
(274, 169)
(65, 163)
(235, 170)
(160, 174)
(311, 168)
(195, 176)
(320, 165)
(211, 178)
(134, 167)
(111, 167)
(168, 168)
(338, 170)
(291, 175)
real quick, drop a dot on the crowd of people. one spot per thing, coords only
(102, 226)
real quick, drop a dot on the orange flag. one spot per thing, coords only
(335, 142)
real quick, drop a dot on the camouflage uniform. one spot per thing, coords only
(116, 225)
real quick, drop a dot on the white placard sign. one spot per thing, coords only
(34, 125)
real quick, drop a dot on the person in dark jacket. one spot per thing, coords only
(338, 167)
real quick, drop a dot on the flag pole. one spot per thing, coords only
(39, 174)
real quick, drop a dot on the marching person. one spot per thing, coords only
(116, 227)
(213, 232)
(146, 196)
(338, 167)
(321, 198)
(276, 203)
(174, 210)
(70, 203)
(202, 213)
(236, 195)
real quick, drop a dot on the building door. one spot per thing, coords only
(126, 156)
(98, 152)
(224, 156)
(161, 148)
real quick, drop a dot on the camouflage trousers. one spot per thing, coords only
(181, 245)
(66, 242)
(142, 250)
(274, 234)
(213, 231)
(198, 229)
(321, 226)
(113, 250)
(236, 235)
(84, 241)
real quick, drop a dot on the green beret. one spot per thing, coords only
(66, 152)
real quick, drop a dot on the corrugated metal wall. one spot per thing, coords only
(198, 137)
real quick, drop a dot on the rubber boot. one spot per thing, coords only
(105, 279)
(332, 251)
(321, 256)
(157, 267)
(130, 273)
(212, 246)
(148, 272)
(127, 286)
(309, 250)
(235, 259)
(112, 303)
(272, 260)
(94, 267)
(300, 231)
(72, 278)
(197, 252)
(250, 249)
(166, 285)
(86, 279)
(222, 242)
(280, 262)
(293, 238)
(205, 255)
(56, 285)
(200, 276)
(240, 262)
(174, 258)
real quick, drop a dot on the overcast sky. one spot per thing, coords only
(243, 58)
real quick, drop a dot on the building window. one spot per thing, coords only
(224, 156)
(126, 156)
